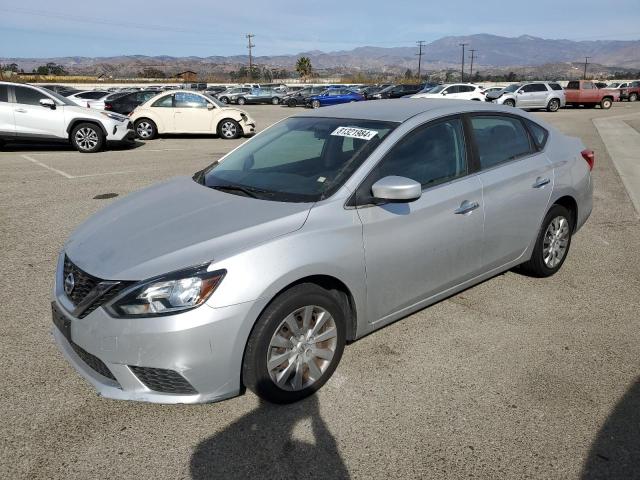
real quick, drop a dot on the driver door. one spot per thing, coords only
(33, 119)
(416, 250)
(191, 114)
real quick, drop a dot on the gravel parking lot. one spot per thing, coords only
(514, 378)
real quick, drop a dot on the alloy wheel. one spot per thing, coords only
(556, 241)
(228, 130)
(87, 138)
(302, 348)
(144, 129)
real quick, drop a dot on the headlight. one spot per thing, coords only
(168, 294)
(114, 116)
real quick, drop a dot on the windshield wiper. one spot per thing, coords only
(248, 191)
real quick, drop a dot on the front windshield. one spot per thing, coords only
(512, 88)
(301, 159)
(60, 98)
(214, 100)
(437, 89)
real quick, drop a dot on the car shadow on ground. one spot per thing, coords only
(615, 453)
(261, 445)
(63, 147)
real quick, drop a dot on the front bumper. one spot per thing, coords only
(153, 359)
(248, 125)
(120, 131)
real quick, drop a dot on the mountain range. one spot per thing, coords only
(492, 52)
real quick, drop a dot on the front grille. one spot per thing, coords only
(92, 361)
(84, 282)
(163, 380)
(105, 298)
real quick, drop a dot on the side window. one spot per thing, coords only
(555, 86)
(164, 102)
(528, 88)
(538, 133)
(539, 87)
(467, 88)
(499, 139)
(429, 155)
(28, 96)
(453, 89)
(4, 93)
(588, 86)
(573, 85)
(189, 100)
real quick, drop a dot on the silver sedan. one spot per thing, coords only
(321, 229)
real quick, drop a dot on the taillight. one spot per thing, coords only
(107, 106)
(589, 157)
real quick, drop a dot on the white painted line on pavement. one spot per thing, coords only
(66, 175)
(623, 144)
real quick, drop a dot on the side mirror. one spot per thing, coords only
(396, 189)
(444, 94)
(210, 106)
(47, 102)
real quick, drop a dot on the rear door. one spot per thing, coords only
(7, 123)
(33, 119)
(517, 180)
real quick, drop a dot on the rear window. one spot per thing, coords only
(573, 86)
(555, 86)
(538, 133)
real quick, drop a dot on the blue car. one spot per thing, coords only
(334, 96)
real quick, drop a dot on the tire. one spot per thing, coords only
(229, 129)
(292, 103)
(553, 105)
(275, 101)
(633, 97)
(280, 364)
(606, 103)
(241, 101)
(541, 264)
(509, 103)
(315, 104)
(224, 100)
(145, 129)
(87, 138)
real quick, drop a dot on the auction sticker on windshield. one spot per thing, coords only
(361, 133)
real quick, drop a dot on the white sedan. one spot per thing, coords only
(90, 98)
(454, 91)
(184, 111)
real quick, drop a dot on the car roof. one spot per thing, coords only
(402, 109)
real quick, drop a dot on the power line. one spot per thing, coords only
(462, 71)
(421, 44)
(586, 62)
(250, 46)
(473, 56)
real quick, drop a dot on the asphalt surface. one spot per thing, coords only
(514, 378)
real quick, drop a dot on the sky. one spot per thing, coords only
(39, 28)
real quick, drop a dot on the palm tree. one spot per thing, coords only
(303, 67)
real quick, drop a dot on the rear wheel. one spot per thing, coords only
(552, 244)
(145, 129)
(633, 97)
(553, 105)
(241, 101)
(295, 345)
(229, 129)
(275, 101)
(292, 103)
(87, 138)
(510, 103)
(606, 103)
(224, 100)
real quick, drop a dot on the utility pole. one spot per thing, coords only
(419, 54)
(586, 62)
(250, 46)
(462, 71)
(473, 56)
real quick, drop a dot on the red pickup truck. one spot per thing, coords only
(584, 92)
(631, 92)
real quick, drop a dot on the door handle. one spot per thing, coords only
(466, 207)
(541, 182)
(20, 110)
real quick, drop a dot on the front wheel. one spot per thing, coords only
(275, 101)
(229, 129)
(87, 138)
(295, 345)
(224, 100)
(315, 104)
(633, 97)
(554, 105)
(292, 103)
(510, 103)
(552, 244)
(145, 129)
(606, 103)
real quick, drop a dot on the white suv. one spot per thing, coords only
(33, 113)
(455, 91)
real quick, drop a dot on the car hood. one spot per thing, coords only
(494, 95)
(175, 225)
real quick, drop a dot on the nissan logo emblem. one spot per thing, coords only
(69, 283)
